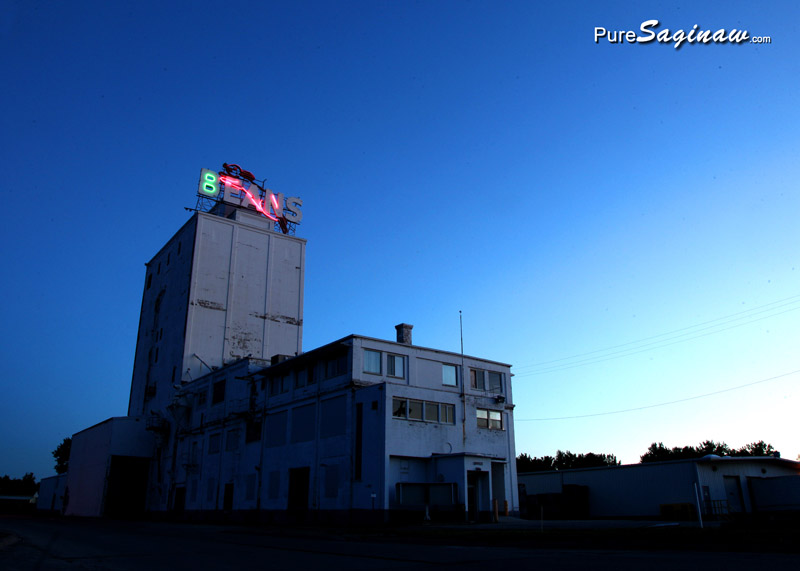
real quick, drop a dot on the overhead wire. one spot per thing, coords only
(661, 403)
(665, 339)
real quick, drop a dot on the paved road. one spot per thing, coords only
(58, 544)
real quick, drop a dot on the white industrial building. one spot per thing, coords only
(228, 414)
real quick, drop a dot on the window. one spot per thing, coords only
(336, 367)
(214, 443)
(399, 407)
(448, 415)
(201, 398)
(310, 376)
(495, 382)
(492, 419)
(449, 375)
(394, 366)
(415, 410)
(372, 362)
(218, 392)
(253, 431)
(432, 411)
(232, 441)
(427, 411)
(274, 386)
(476, 379)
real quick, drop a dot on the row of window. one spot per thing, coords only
(427, 411)
(395, 367)
(395, 364)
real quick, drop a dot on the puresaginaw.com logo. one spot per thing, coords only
(649, 32)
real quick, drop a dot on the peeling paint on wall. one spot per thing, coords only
(278, 318)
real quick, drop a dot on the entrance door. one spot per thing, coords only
(298, 489)
(477, 494)
(227, 498)
(733, 491)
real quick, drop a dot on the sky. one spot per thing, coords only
(617, 221)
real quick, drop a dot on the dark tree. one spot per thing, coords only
(759, 448)
(660, 453)
(564, 461)
(61, 454)
(525, 463)
(25, 486)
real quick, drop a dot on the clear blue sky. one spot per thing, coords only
(568, 196)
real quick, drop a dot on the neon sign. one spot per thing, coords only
(238, 187)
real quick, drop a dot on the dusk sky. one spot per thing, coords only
(619, 222)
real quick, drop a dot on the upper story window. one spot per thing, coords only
(395, 366)
(218, 392)
(477, 379)
(449, 375)
(372, 361)
(492, 419)
(495, 382)
(214, 443)
(427, 411)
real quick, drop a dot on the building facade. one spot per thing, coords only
(228, 414)
(357, 426)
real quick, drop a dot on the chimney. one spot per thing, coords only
(404, 333)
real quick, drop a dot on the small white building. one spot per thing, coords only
(718, 486)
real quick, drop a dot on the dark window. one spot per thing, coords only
(399, 407)
(218, 394)
(214, 443)
(310, 378)
(394, 366)
(495, 382)
(477, 379)
(276, 429)
(253, 431)
(415, 410)
(232, 441)
(332, 417)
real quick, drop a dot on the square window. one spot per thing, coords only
(449, 375)
(477, 380)
(495, 382)
(492, 419)
(415, 410)
(432, 411)
(372, 362)
(394, 366)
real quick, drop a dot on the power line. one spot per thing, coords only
(671, 338)
(660, 404)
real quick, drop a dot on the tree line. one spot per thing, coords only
(657, 452)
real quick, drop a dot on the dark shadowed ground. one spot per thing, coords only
(28, 542)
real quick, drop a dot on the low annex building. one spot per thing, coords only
(713, 486)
